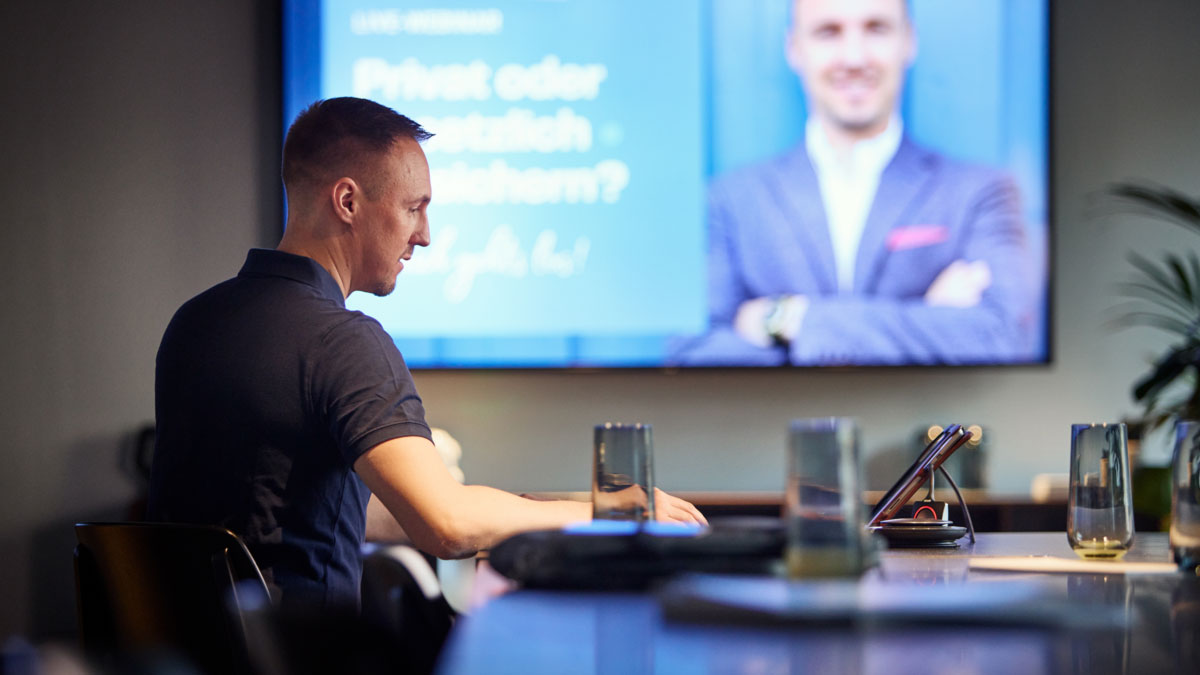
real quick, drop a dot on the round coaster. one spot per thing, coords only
(918, 522)
(921, 536)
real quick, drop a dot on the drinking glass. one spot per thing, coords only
(623, 472)
(1099, 503)
(824, 507)
(1185, 496)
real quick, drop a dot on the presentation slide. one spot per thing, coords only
(584, 152)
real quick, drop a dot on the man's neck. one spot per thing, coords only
(329, 256)
(852, 150)
(842, 139)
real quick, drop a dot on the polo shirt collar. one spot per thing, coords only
(261, 262)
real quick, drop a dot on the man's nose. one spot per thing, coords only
(854, 49)
(421, 235)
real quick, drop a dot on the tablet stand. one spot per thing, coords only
(917, 531)
(961, 502)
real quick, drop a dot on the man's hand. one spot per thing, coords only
(667, 509)
(671, 509)
(961, 284)
(751, 321)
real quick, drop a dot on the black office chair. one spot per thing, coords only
(401, 628)
(147, 588)
(401, 595)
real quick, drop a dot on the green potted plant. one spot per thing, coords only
(1163, 294)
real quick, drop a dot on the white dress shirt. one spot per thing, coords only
(848, 187)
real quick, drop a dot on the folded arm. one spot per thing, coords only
(976, 308)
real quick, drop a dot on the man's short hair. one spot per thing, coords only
(791, 12)
(341, 135)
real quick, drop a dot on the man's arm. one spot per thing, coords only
(382, 527)
(451, 520)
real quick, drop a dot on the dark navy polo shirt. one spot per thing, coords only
(267, 389)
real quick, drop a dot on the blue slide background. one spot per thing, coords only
(694, 88)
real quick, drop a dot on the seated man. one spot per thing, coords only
(280, 412)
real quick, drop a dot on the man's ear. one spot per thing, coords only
(346, 196)
(791, 51)
(912, 45)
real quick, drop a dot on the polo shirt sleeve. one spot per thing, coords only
(361, 388)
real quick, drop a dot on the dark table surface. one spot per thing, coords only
(1151, 624)
(991, 512)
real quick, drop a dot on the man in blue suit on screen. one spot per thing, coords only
(858, 246)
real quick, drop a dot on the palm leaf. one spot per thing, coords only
(1151, 270)
(1165, 323)
(1140, 307)
(1194, 265)
(1159, 407)
(1145, 292)
(1159, 202)
(1166, 370)
(1175, 263)
(1159, 418)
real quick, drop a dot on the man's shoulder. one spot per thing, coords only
(243, 290)
(350, 324)
(951, 188)
(949, 171)
(249, 305)
(206, 302)
(787, 165)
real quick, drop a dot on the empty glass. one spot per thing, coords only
(1185, 496)
(623, 472)
(1099, 503)
(824, 506)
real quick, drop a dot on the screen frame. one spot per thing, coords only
(296, 40)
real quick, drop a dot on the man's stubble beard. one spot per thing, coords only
(858, 126)
(384, 289)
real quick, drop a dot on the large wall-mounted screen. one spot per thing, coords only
(708, 183)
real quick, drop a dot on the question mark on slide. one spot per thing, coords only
(613, 176)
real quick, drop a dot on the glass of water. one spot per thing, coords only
(623, 472)
(1185, 496)
(824, 504)
(1099, 502)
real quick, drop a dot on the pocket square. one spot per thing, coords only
(916, 236)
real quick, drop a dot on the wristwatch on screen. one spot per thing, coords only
(782, 322)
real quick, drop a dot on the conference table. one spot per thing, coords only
(1076, 623)
(991, 511)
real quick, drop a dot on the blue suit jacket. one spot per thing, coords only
(768, 236)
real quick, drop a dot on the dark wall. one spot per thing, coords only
(139, 145)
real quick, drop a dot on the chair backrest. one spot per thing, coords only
(143, 587)
(401, 595)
